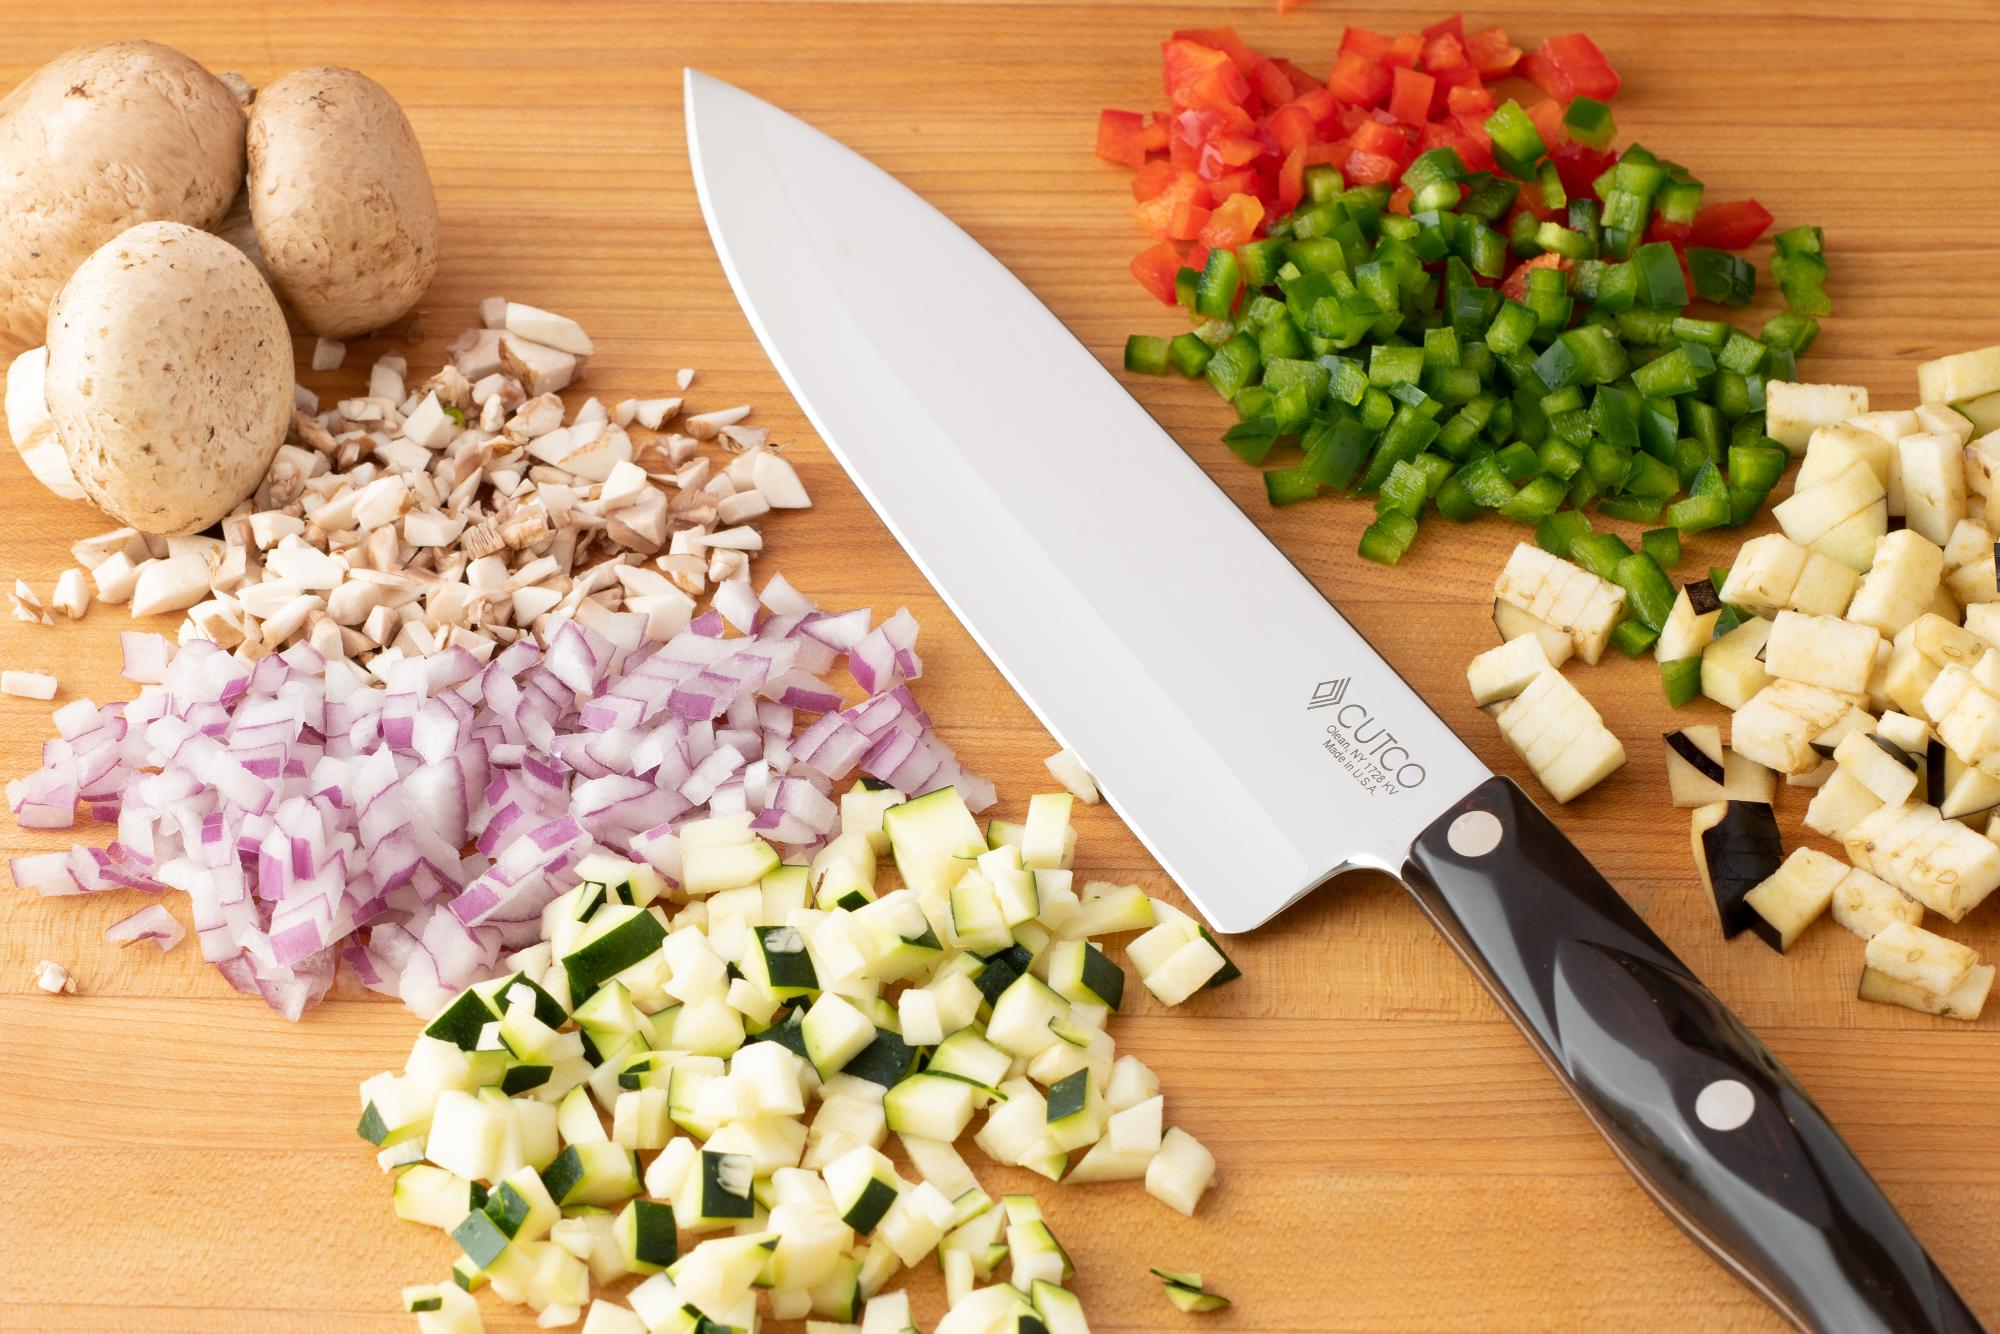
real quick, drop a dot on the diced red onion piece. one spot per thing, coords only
(736, 602)
(783, 599)
(152, 922)
(145, 657)
(313, 812)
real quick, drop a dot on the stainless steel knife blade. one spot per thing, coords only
(1252, 739)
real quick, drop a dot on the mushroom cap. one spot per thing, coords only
(169, 377)
(100, 138)
(341, 200)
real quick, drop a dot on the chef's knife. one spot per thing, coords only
(1209, 686)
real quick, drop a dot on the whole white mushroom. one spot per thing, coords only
(169, 377)
(100, 138)
(341, 200)
(32, 429)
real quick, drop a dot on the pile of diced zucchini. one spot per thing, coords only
(694, 1077)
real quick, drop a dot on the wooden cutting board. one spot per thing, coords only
(1392, 1156)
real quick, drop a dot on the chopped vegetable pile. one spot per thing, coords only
(468, 509)
(1858, 650)
(710, 1042)
(413, 822)
(1413, 287)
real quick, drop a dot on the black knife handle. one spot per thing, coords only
(1717, 1130)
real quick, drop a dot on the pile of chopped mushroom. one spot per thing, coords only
(464, 511)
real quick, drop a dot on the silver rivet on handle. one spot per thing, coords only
(1725, 1104)
(1474, 834)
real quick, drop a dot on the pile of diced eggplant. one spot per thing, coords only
(1858, 649)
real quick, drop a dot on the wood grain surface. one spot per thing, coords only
(1392, 1156)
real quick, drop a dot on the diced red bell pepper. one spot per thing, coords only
(1224, 40)
(1451, 24)
(1193, 128)
(1302, 82)
(1538, 70)
(1516, 286)
(1292, 180)
(1730, 226)
(1156, 214)
(1234, 223)
(1271, 83)
(1373, 136)
(1291, 176)
(1469, 99)
(1446, 81)
(1152, 178)
(1491, 53)
(1121, 137)
(1177, 212)
(1579, 165)
(1358, 80)
(1186, 221)
(1194, 131)
(1466, 137)
(1155, 268)
(1434, 134)
(1236, 183)
(1291, 126)
(1203, 125)
(1404, 52)
(1675, 234)
(1443, 52)
(1399, 200)
(1570, 66)
(1362, 42)
(1365, 168)
(1318, 103)
(1548, 118)
(1201, 76)
(1196, 258)
(1224, 153)
(1410, 96)
(1475, 146)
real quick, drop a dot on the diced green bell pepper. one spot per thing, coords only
(1517, 144)
(1633, 638)
(1146, 354)
(1649, 594)
(1385, 540)
(1555, 533)
(1663, 545)
(1599, 553)
(1189, 355)
(1589, 122)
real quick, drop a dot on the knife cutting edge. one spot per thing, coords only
(1158, 634)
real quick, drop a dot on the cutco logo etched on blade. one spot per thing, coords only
(1328, 693)
(1362, 745)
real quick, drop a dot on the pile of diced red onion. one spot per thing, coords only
(415, 826)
